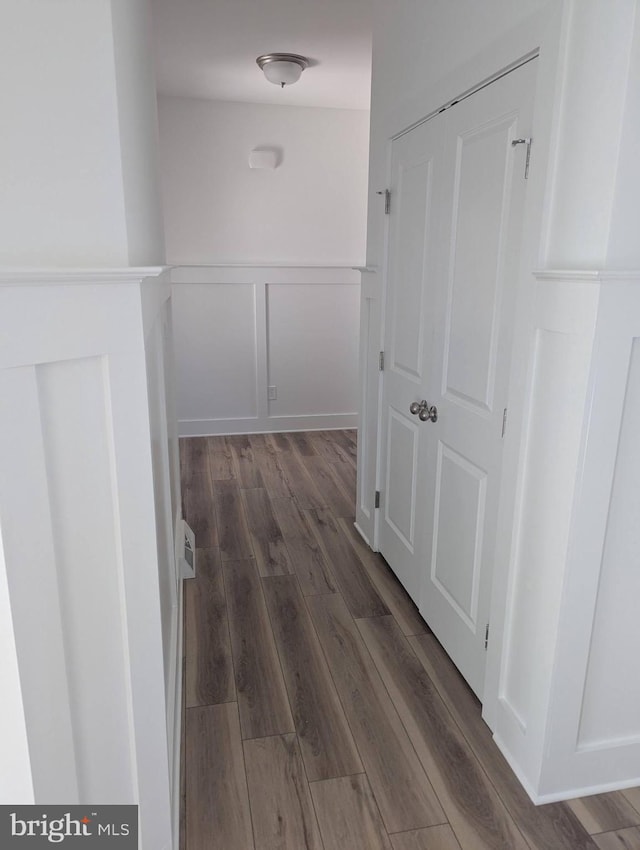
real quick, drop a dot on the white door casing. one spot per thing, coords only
(458, 184)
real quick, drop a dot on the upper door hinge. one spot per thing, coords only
(486, 636)
(381, 362)
(527, 141)
(376, 503)
(387, 200)
(504, 421)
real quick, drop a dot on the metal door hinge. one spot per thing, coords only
(376, 503)
(486, 636)
(504, 421)
(381, 362)
(387, 200)
(526, 142)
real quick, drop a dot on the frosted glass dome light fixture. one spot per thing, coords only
(282, 69)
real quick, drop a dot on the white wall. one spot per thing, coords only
(310, 210)
(70, 141)
(138, 126)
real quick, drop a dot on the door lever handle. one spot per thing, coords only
(424, 411)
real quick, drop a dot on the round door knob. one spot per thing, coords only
(428, 412)
(415, 407)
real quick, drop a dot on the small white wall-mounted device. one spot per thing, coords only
(265, 159)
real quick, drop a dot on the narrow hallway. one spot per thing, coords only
(320, 710)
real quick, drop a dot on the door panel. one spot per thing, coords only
(401, 468)
(460, 491)
(408, 340)
(412, 237)
(480, 216)
(458, 192)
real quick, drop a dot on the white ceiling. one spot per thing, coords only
(208, 48)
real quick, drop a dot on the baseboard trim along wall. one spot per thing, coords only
(272, 425)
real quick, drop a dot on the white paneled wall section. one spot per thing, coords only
(89, 503)
(269, 348)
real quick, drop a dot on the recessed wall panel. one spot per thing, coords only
(561, 368)
(459, 521)
(312, 342)
(475, 284)
(402, 451)
(77, 438)
(215, 333)
(407, 277)
(611, 705)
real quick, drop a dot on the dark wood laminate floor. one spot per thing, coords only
(320, 713)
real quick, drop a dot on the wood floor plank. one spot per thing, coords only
(247, 470)
(269, 462)
(347, 475)
(550, 827)
(220, 459)
(347, 440)
(622, 839)
(605, 812)
(329, 486)
(301, 444)
(209, 668)
(233, 533)
(433, 838)
(281, 806)
(348, 816)
(326, 742)
(300, 483)
(404, 794)
(269, 547)
(198, 508)
(474, 809)
(262, 697)
(326, 444)
(392, 592)
(633, 796)
(217, 801)
(308, 561)
(194, 455)
(279, 442)
(354, 584)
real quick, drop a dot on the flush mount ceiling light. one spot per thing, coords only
(282, 69)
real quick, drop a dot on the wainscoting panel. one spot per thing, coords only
(240, 330)
(88, 454)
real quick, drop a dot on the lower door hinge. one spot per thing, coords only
(381, 361)
(486, 636)
(504, 421)
(376, 503)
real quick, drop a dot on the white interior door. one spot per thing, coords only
(442, 479)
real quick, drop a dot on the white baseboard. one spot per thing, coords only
(266, 425)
